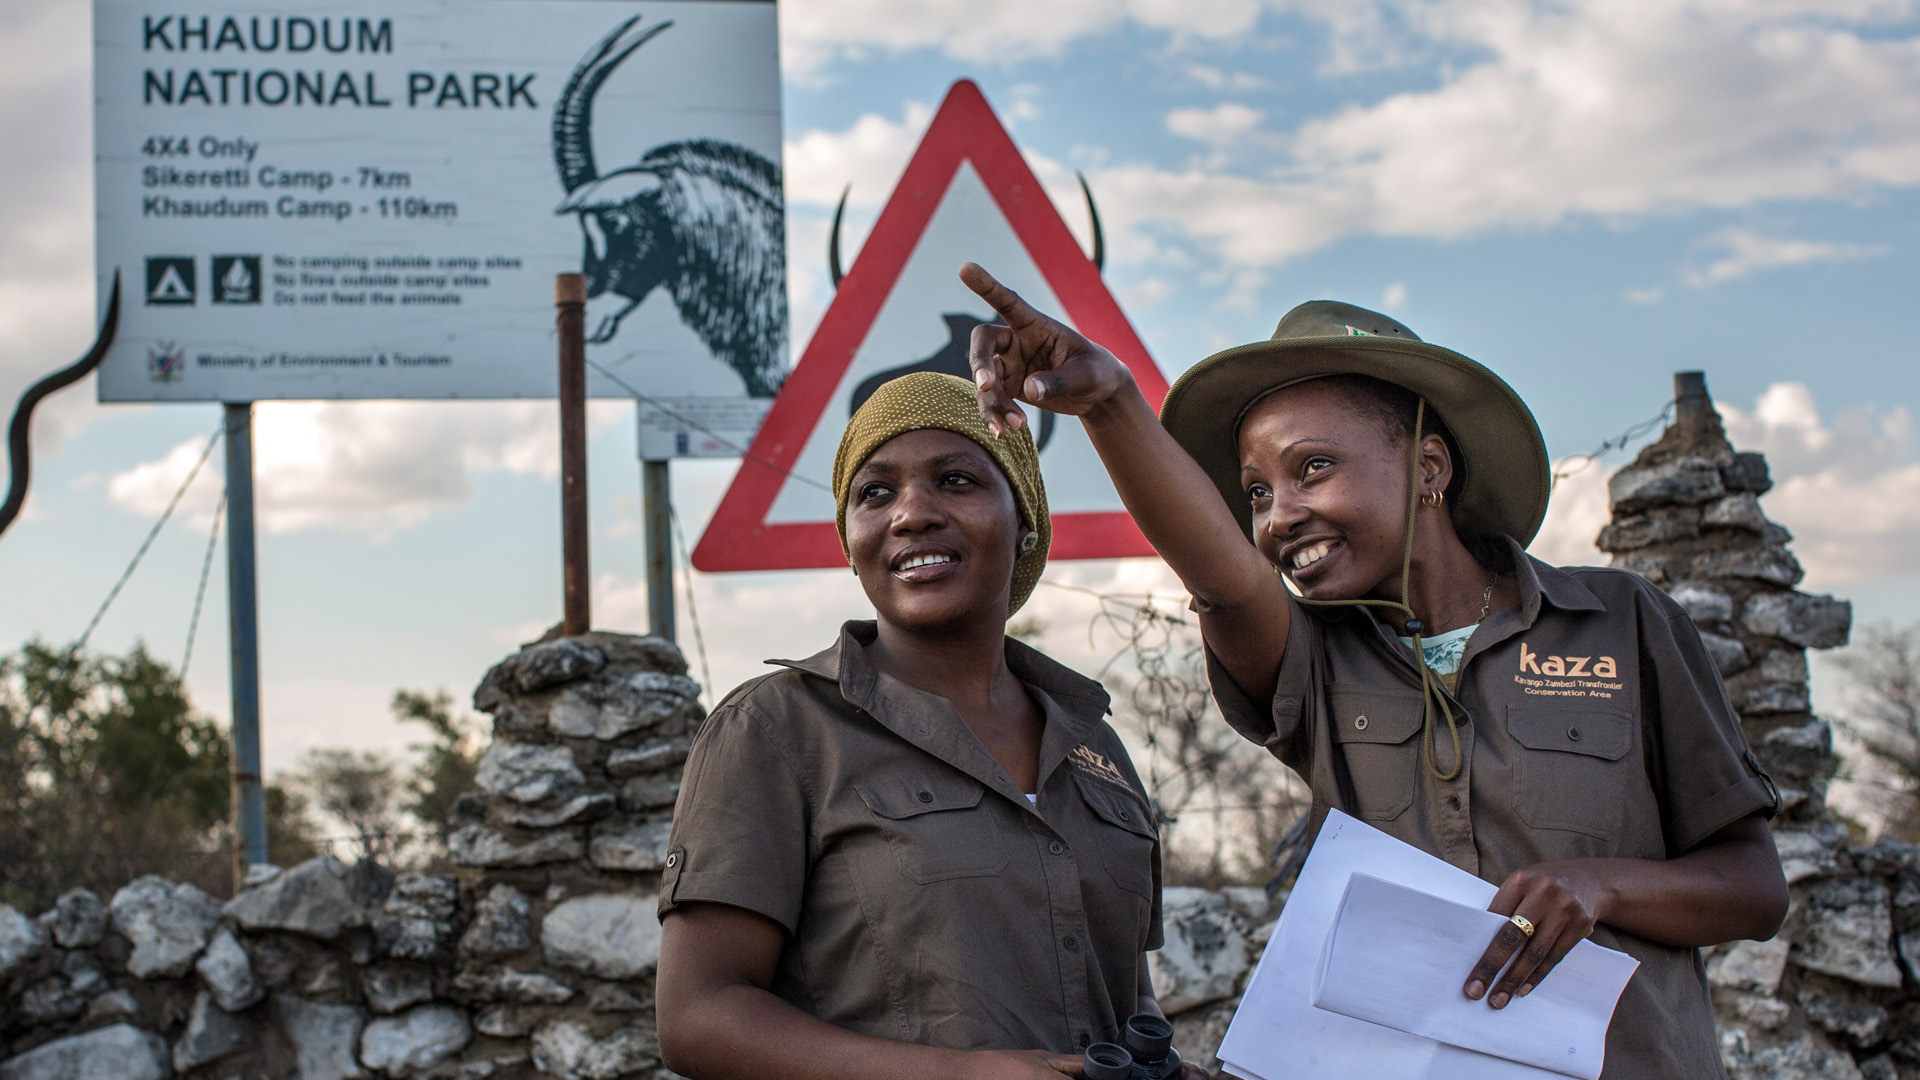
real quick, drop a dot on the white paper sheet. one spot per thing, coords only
(1278, 1034)
(1398, 956)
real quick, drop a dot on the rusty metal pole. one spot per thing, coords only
(570, 302)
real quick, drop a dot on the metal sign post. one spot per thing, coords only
(243, 614)
(570, 298)
(656, 500)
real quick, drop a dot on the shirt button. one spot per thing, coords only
(1453, 801)
(1573, 733)
(1124, 816)
(673, 860)
(1359, 723)
(1084, 1041)
(1056, 847)
(926, 796)
(1072, 944)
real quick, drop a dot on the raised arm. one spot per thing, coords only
(1044, 362)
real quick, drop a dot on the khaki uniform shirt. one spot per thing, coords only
(1593, 724)
(924, 898)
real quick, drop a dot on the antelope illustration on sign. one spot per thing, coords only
(701, 218)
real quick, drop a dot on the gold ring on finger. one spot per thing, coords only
(1525, 924)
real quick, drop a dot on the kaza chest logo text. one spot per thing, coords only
(1532, 663)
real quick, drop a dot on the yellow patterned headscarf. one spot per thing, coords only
(927, 399)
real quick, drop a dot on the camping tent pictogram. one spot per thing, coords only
(966, 194)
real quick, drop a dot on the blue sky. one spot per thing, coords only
(1586, 196)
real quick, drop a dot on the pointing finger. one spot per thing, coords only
(985, 352)
(1016, 312)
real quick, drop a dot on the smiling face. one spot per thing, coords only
(1327, 480)
(932, 529)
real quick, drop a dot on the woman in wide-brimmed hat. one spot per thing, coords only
(1562, 733)
(922, 852)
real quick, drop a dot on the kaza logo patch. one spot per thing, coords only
(1532, 663)
(170, 281)
(1097, 766)
(236, 279)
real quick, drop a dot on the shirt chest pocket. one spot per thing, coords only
(936, 827)
(1569, 768)
(1123, 834)
(1377, 732)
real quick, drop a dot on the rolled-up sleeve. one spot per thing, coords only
(1708, 776)
(1279, 724)
(740, 825)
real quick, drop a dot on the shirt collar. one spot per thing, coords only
(1541, 581)
(1073, 703)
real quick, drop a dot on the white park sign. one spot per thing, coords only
(370, 198)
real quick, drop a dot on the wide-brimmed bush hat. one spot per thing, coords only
(1505, 471)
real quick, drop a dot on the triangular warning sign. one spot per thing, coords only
(966, 194)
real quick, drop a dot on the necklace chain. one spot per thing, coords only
(1486, 598)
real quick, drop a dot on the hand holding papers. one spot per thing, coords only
(1279, 1034)
(1395, 956)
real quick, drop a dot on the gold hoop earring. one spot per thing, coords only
(1434, 498)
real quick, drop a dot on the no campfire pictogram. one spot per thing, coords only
(966, 194)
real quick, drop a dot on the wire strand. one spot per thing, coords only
(693, 609)
(200, 594)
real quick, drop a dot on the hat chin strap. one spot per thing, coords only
(1431, 693)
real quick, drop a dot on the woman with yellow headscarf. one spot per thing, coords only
(922, 852)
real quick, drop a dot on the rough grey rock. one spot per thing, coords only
(212, 1033)
(416, 922)
(649, 792)
(416, 1041)
(631, 845)
(567, 1050)
(1811, 622)
(538, 667)
(579, 808)
(228, 972)
(65, 994)
(1704, 604)
(1800, 1059)
(167, 923)
(323, 1036)
(504, 1021)
(1909, 946)
(518, 987)
(1768, 699)
(1803, 854)
(500, 925)
(20, 940)
(1849, 933)
(1740, 510)
(79, 919)
(1784, 665)
(1802, 751)
(1729, 656)
(655, 755)
(112, 1005)
(529, 773)
(1684, 481)
(321, 898)
(1205, 952)
(1760, 1012)
(1771, 564)
(1754, 966)
(478, 845)
(1746, 472)
(1879, 1068)
(1646, 530)
(612, 709)
(612, 998)
(614, 936)
(122, 1052)
(388, 988)
(1862, 1022)
(1252, 903)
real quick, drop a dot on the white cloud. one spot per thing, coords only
(1226, 122)
(1393, 295)
(869, 155)
(1576, 512)
(1651, 294)
(1214, 78)
(376, 468)
(1743, 252)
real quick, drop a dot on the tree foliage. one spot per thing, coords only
(1883, 719)
(107, 773)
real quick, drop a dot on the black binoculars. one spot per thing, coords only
(1147, 1055)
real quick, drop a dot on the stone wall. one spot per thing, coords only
(535, 959)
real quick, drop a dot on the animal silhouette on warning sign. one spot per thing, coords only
(950, 360)
(700, 217)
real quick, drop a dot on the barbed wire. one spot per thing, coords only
(200, 594)
(1618, 442)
